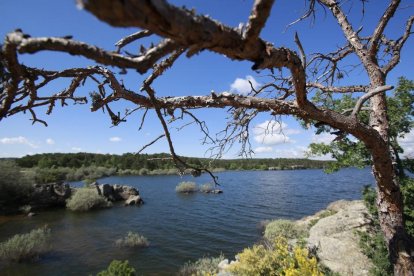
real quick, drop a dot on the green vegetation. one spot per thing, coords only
(201, 267)
(283, 228)
(373, 244)
(186, 187)
(15, 187)
(85, 199)
(275, 260)
(118, 268)
(25, 247)
(132, 239)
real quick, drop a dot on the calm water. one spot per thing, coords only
(180, 227)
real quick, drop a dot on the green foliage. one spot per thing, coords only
(373, 244)
(283, 228)
(85, 199)
(25, 247)
(348, 152)
(141, 164)
(322, 215)
(277, 260)
(407, 189)
(132, 239)
(201, 267)
(15, 187)
(118, 268)
(186, 187)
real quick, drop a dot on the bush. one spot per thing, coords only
(26, 246)
(186, 187)
(203, 266)
(118, 268)
(276, 260)
(206, 188)
(132, 240)
(85, 199)
(407, 189)
(283, 228)
(15, 187)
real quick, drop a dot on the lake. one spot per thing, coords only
(180, 227)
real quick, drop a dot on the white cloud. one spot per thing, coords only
(76, 149)
(407, 143)
(324, 138)
(50, 141)
(263, 149)
(17, 140)
(242, 86)
(296, 152)
(273, 133)
(115, 139)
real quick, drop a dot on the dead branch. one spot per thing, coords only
(257, 20)
(131, 38)
(150, 143)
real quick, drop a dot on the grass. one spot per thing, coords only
(324, 214)
(203, 266)
(186, 187)
(85, 199)
(132, 239)
(118, 268)
(25, 247)
(283, 228)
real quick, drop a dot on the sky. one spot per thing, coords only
(75, 129)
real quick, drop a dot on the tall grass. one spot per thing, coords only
(132, 239)
(85, 199)
(26, 246)
(186, 187)
(283, 228)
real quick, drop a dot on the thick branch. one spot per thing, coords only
(370, 94)
(257, 19)
(379, 30)
(131, 38)
(338, 89)
(141, 63)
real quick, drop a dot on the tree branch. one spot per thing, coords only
(131, 38)
(365, 97)
(257, 20)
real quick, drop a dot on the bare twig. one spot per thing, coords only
(131, 38)
(150, 143)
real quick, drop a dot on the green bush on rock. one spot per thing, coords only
(25, 247)
(203, 266)
(186, 187)
(118, 268)
(132, 239)
(283, 228)
(85, 199)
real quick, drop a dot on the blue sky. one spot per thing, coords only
(75, 128)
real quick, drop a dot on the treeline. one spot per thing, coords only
(160, 161)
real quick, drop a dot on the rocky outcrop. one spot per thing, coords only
(114, 193)
(49, 195)
(335, 237)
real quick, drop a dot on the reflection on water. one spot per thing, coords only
(180, 227)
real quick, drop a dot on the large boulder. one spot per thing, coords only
(49, 195)
(118, 192)
(336, 240)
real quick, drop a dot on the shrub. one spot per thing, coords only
(118, 268)
(186, 187)
(203, 266)
(85, 199)
(15, 187)
(206, 188)
(132, 240)
(277, 260)
(283, 228)
(407, 189)
(25, 246)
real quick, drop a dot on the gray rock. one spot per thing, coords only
(49, 195)
(134, 200)
(336, 240)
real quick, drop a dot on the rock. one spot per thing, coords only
(134, 200)
(336, 240)
(31, 214)
(123, 192)
(223, 264)
(49, 195)
(216, 191)
(107, 191)
(116, 192)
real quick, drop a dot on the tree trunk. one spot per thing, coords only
(389, 197)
